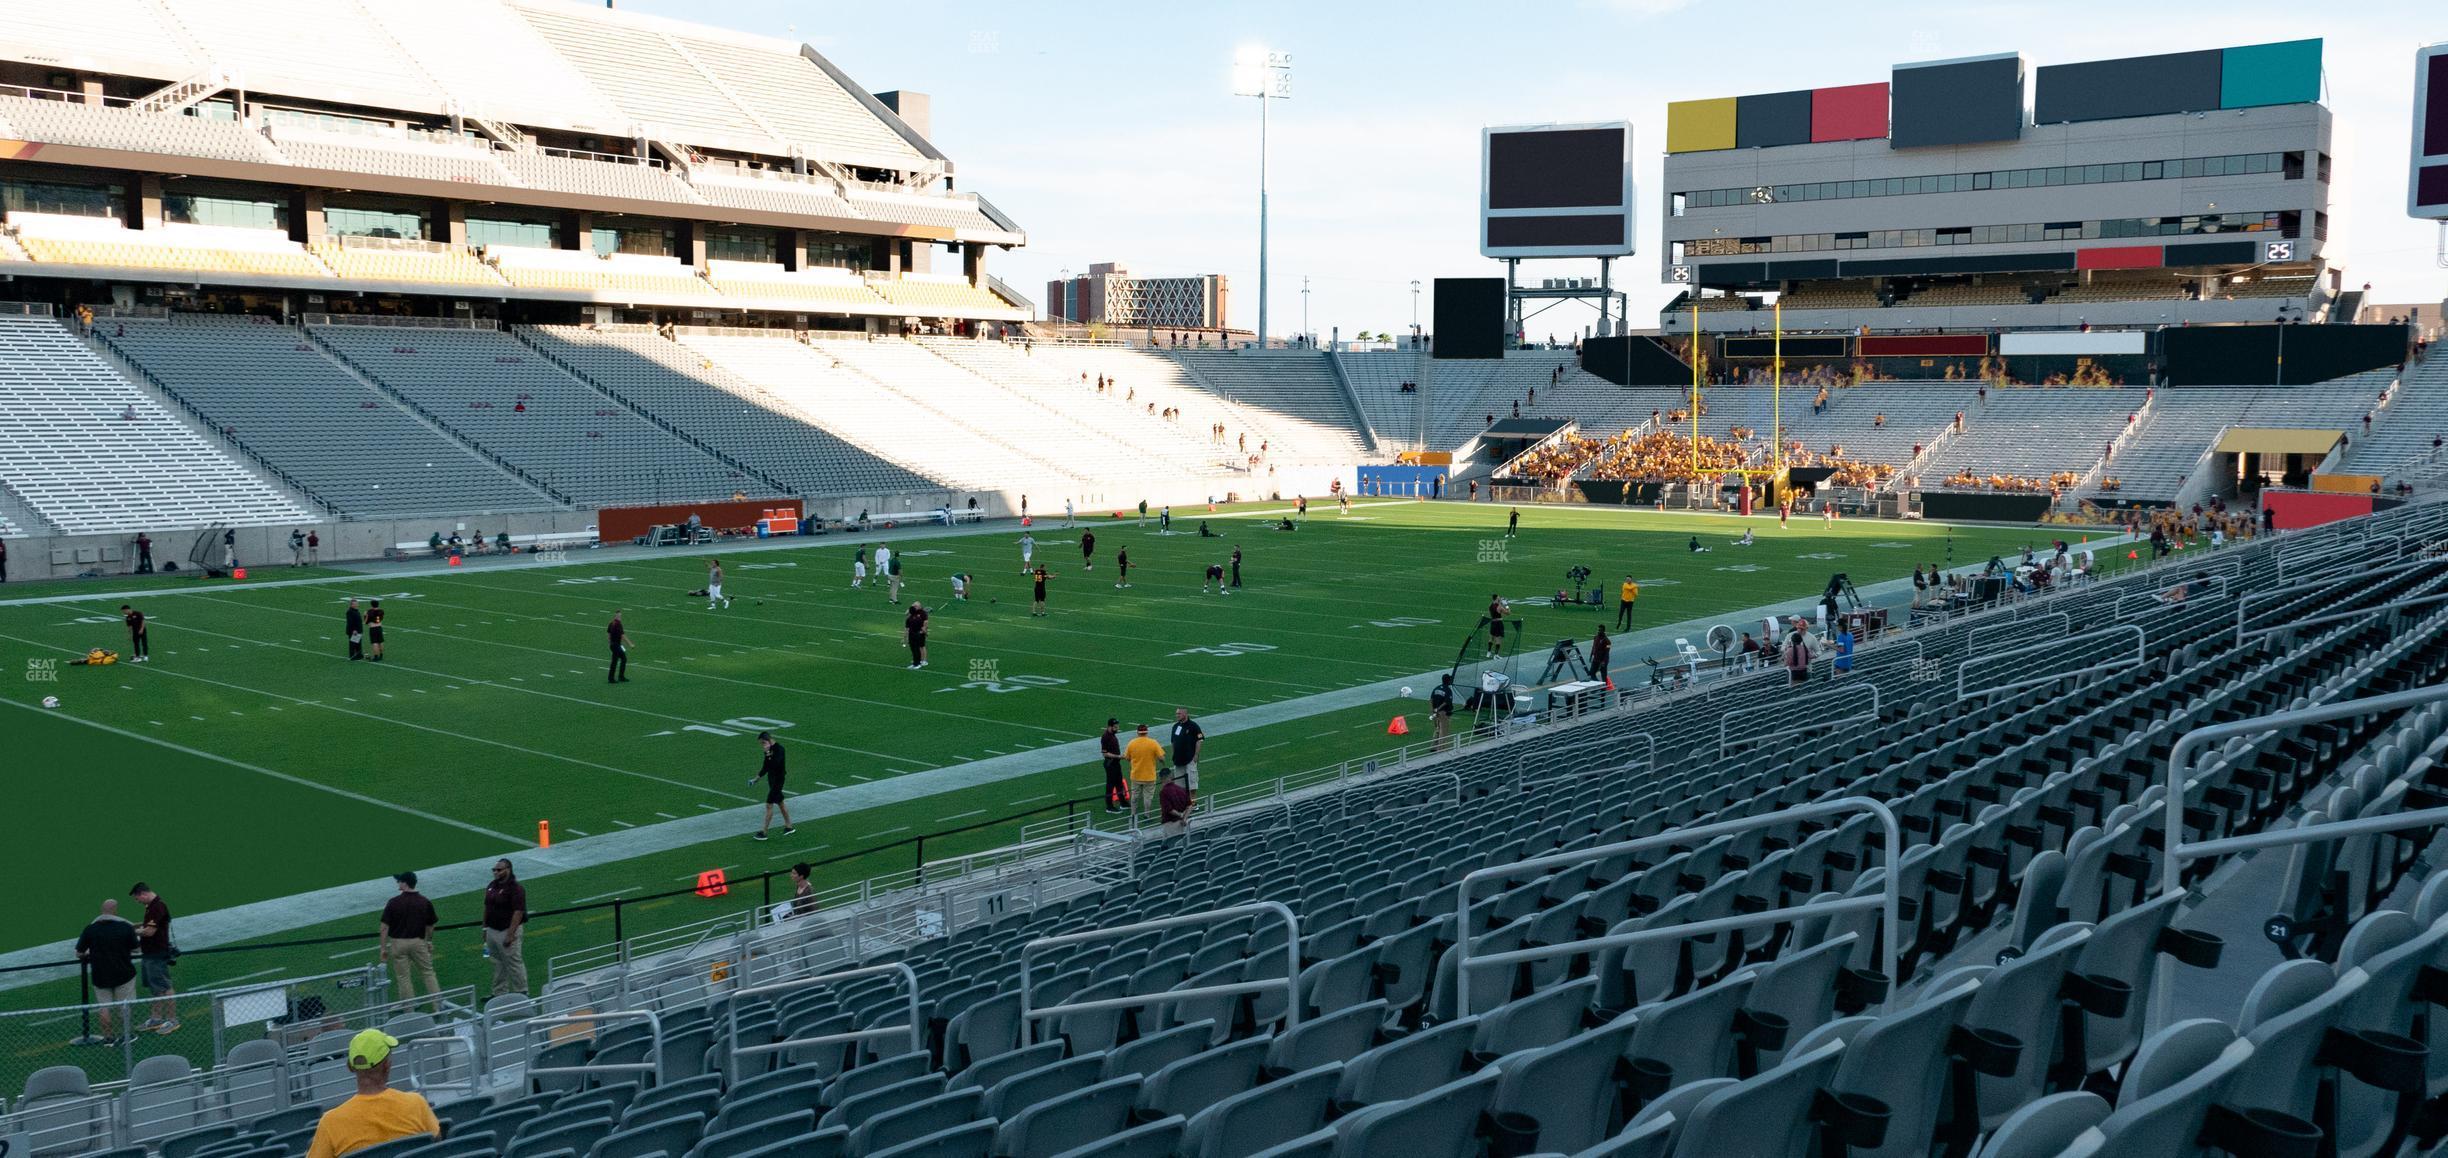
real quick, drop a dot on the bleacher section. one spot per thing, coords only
(1326, 976)
(114, 127)
(618, 277)
(2031, 433)
(924, 295)
(188, 249)
(885, 422)
(92, 453)
(827, 290)
(1143, 377)
(378, 259)
(1037, 375)
(270, 390)
(2158, 459)
(1914, 413)
(510, 401)
(724, 411)
(1297, 384)
(2402, 436)
(1083, 449)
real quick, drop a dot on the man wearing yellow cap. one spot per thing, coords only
(378, 1113)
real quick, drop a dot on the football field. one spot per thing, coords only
(250, 761)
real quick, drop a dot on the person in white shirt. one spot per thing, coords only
(1028, 550)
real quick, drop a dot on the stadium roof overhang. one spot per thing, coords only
(2275, 440)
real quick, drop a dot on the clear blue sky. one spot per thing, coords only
(1108, 130)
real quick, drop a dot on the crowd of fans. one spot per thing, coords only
(2055, 484)
(1654, 456)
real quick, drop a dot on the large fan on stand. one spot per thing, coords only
(1721, 641)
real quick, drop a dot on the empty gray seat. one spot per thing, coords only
(1412, 1065)
(1773, 1114)
(918, 1120)
(968, 1140)
(1253, 1120)
(1542, 1018)
(1197, 1082)
(1155, 1051)
(2174, 1080)
(1157, 1139)
(665, 1136)
(1336, 1037)
(739, 1140)
(2057, 1126)
(855, 1112)
(1649, 1138)
(985, 1073)
(1441, 1123)
(1565, 1093)
(875, 1076)
(1070, 1121)
(833, 1143)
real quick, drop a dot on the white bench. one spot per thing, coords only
(423, 548)
(940, 516)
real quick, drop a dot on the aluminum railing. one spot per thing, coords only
(654, 1052)
(1800, 707)
(2175, 851)
(2141, 655)
(1886, 902)
(2249, 601)
(915, 1030)
(1030, 1012)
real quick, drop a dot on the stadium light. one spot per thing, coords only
(1268, 77)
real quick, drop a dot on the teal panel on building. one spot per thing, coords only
(2284, 73)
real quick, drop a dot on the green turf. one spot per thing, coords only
(492, 711)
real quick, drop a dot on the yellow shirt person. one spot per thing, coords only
(1631, 591)
(1143, 753)
(377, 1114)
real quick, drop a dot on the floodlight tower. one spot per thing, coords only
(1268, 77)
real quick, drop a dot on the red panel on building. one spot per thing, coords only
(2121, 257)
(2299, 509)
(1925, 346)
(1853, 112)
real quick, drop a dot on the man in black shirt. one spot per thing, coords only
(1122, 565)
(1037, 604)
(1087, 550)
(405, 937)
(619, 635)
(1440, 709)
(771, 773)
(156, 952)
(1188, 737)
(914, 626)
(1236, 567)
(373, 631)
(505, 925)
(1601, 650)
(356, 631)
(108, 949)
(140, 641)
(1109, 745)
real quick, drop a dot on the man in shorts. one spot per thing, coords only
(1188, 738)
(1037, 597)
(1087, 550)
(1497, 612)
(714, 593)
(1214, 580)
(1028, 551)
(1143, 755)
(858, 569)
(140, 639)
(108, 949)
(772, 772)
(1122, 567)
(154, 946)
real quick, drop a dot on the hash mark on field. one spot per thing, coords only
(386, 695)
(518, 679)
(351, 699)
(155, 723)
(617, 892)
(1034, 799)
(861, 776)
(822, 784)
(624, 824)
(994, 751)
(799, 852)
(667, 816)
(1322, 735)
(351, 952)
(709, 808)
(198, 719)
(271, 707)
(886, 832)
(963, 815)
(575, 832)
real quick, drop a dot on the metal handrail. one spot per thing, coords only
(2246, 601)
(1972, 638)
(1290, 981)
(2343, 616)
(2175, 850)
(1344, 799)
(2141, 656)
(654, 1055)
(1886, 901)
(916, 1029)
(1877, 705)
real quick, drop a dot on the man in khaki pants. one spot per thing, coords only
(406, 934)
(505, 919)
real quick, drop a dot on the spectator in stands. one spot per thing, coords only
(433, 543)
(377, 1113)
(1750, 651)
(1109, 747)
(1797, 652)
(1173, 803)
(501, 543)
(156, 952)
(1143, 754)
(405, 939)
(1920, 587)
(505, 925)
(803, 890)
(108, 949)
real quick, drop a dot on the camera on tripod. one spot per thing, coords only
(1579, 577)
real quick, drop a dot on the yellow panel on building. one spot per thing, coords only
(1695, 126)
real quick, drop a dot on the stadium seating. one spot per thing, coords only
(793, 97)
(828, 290)
(723, 410)
(431, 157)
(423, 263)
(506, 398)
(1969, 295)
(613, 278)
(1298, 385)
(647, 79)
(1141, 377)
(1039, 375)
(2166, 445)
(1915, 413)
(1129, 461)
(92, 453)
(115, 127)
(1458, 395)
(2402, 434)
(600, 176)
(949, 294)
(270, 390)
(771, 191)
(1831, 296)
(184, 248)
(2031, 433)
(2024, 1012)
(2161, 288)
(871, 415)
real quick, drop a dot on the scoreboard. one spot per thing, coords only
(2427, 172)
(1556, 191)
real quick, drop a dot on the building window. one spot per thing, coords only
(741, 243)
(239, 212)
(652, 238)
(351, 221)
(2289, 164)
(21, 196)
(488, 231)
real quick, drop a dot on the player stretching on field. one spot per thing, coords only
(714, 593)
(1037, 608)
(1122, 565)
(771, 773)
(1087, 550)
(1215, 579)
